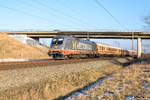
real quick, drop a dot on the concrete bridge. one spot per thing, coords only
(86, 34)
(89, 34)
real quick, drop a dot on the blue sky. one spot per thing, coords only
(75, 15)
(72, 14)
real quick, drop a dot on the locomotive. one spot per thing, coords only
(64, 46)
(69, 46)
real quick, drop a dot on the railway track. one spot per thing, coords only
(28, 64)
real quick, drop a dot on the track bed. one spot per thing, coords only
(27, 64)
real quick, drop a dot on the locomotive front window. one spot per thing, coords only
(60, 41)
(57, 41)
(54, 41)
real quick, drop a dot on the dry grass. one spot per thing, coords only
(11, 48)
(129, 81)
(57, 86)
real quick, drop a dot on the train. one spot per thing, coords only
(64, 46)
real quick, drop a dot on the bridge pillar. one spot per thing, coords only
(139, 47)
(36, 38)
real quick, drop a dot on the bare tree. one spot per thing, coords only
(147, 22)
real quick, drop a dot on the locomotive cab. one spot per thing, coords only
(55, 46)
(57, 43)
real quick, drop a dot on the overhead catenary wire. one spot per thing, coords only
(74, 19)
(29, 14)
(113, 17)
(37, 16)
(52, 14)
(18, 10)
(72, 11)
(24, 12)
(76, 13)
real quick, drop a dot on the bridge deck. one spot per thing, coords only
(85, 34)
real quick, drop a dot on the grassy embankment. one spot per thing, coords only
(12, 48)
(133, 81)
(57, 86)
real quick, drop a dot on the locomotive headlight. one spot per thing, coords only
(56, 47)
